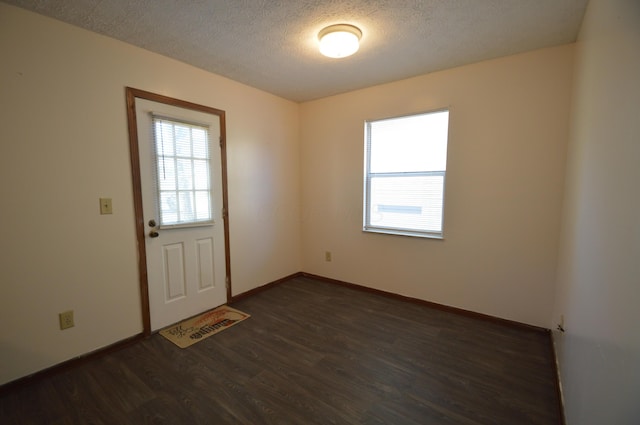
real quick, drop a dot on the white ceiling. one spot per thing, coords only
(272, 44)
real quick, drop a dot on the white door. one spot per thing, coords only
(181, 179)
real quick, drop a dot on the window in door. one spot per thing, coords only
(183, 176)
(405, 170)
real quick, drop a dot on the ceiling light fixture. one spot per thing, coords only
(339, 41)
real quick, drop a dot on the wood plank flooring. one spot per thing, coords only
(312, 353)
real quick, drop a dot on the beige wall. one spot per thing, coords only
(508, 133)
(295, 184)
(599, 268)
(64, 145)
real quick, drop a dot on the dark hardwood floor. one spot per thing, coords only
(312, 353)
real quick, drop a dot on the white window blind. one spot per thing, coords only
(405, 169)
(183, 177)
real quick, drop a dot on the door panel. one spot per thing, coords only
(185, 263)
(206, 275)
(174, 272)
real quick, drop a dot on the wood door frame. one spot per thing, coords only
(131, 95)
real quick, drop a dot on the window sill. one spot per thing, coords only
(399, 232)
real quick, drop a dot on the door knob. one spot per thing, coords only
(152, 223)
(154, 234)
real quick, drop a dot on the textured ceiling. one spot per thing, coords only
(272, 44)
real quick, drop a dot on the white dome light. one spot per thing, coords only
(339, 41)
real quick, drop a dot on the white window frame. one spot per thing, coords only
(368, 175)
(160, 157)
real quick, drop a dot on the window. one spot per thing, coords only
(182, 155)
(405, 167)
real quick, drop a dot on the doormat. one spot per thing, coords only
(197, 328)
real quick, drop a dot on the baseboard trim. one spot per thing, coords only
(556, 371)
(251, 292)
(76, 361)
(12, 385)
(430, 304)
(68, 364)
(467, 313)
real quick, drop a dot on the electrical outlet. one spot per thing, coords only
(327, 256)
(66, 319)
(560, 326)
(105, 206)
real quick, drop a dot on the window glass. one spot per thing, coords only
(405, 169)
(183, 173)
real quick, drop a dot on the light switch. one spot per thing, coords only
(105, 206)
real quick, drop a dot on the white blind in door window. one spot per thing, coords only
(183, 176)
